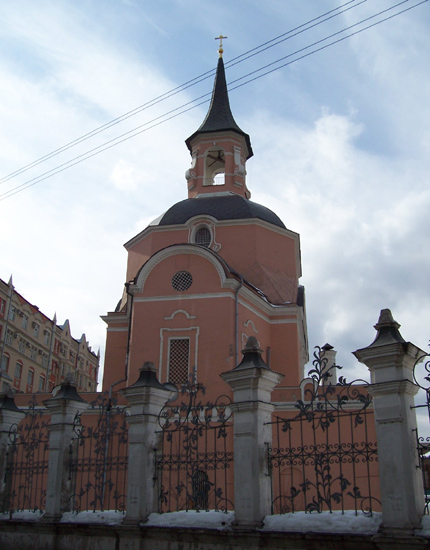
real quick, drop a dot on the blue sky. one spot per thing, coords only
(340, 140)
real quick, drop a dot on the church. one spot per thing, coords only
(212, 271)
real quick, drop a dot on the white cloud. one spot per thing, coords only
(340, 140)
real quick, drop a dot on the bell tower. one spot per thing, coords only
(219, 148)
(215, 269)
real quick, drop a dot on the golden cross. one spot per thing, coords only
(220, 50)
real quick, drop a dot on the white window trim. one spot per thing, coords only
(169, 333)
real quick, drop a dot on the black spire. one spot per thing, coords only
(219, 117)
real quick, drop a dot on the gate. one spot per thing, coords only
(194, 467)
(99, 457)
(324, 457)
(422, 379)
(27, 462)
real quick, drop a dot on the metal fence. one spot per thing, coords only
(421, 375)
(324, 452)
(99, 458)
(27, 462)
(194, 466)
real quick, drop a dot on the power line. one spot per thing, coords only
(186, 107)
(239, 59)
(327, 38)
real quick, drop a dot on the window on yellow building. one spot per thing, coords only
(30, 377)
(5, 362)
(12, 313)
(18, 370)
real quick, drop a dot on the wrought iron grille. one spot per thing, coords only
(179, 360)
(99, 458)
(182, 280)
(194, 466)
(324, 457)
(27, 463)
(422, 379)
(203, 237)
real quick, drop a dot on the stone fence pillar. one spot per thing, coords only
(391, 361)
(9, 415)
(252, 383)
(62, 408)
(146, 398)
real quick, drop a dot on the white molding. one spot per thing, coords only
(290, 310)
(187, 315)
(169, 298)
(250, 322)
(175, 250)
(170, 330)
(221, 223)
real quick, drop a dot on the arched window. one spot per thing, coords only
(17, 375)
(215, 167)
(203, 236)
(30, 380)
(5, 362)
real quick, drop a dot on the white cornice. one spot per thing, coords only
(114, 318)
(263, 310)
(219, 223)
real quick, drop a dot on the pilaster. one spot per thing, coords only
(146, 398)
(252, 383)
(391, 361)
(62, 408)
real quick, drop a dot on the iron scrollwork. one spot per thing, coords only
(27, 462)
(318, 461)
(195, 465)
(99, 457)
(422, 379)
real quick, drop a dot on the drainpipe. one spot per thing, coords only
(106, 453)
(236, 297)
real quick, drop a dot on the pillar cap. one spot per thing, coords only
(67, 391)
(252, 356)
(148, 377)
(388, 330)
(7, 402)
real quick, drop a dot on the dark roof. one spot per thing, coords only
(223, 207)
(219, 117)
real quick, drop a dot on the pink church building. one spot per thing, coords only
(212, 271)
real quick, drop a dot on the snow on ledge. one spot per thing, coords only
(200, 520)
(24, 515)
(299, 522)
(326, 522)
(108, 517)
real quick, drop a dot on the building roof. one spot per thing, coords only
(222, 207)
(219, 117)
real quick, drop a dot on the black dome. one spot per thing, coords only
(224, 207)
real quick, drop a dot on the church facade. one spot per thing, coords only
(212, 271)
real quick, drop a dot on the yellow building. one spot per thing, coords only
(35, 352)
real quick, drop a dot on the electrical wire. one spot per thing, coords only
(236, 60)
(186, 107)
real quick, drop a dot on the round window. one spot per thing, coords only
(203, 237)
(182, 280)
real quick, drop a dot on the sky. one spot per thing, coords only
(340, 137)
